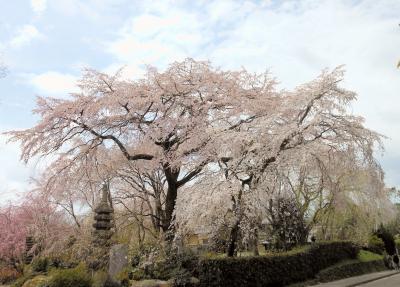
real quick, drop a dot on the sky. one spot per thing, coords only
(45, 44)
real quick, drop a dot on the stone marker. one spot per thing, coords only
(118, 259)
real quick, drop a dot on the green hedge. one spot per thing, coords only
(349, 270)
(278, 270)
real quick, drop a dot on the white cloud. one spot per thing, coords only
(24, 36)
(54, 83)
(127, 72)
(39, 6)
(154, 38)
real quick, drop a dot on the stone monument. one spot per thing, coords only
(118, 259)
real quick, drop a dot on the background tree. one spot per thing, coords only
(36, 217)
(312, 119)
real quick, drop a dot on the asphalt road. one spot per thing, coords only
(385, 282)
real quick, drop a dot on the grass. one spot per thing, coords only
(366, 256)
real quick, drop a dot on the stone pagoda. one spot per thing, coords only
(103, 220)
(102, 233)
(29, 242)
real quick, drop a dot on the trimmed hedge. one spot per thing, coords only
(278, 270)
(349, 270)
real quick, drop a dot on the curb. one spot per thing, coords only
(373, 279)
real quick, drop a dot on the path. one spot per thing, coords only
(385, 282)
(368, 280)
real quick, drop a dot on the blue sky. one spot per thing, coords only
(46, 43)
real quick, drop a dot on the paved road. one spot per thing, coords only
(385, 282)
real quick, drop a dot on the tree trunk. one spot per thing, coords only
(255, 243)
(171, 176)
(233, 237)
(170, 201)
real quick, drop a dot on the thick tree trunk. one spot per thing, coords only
(169, 210)
(171, 176)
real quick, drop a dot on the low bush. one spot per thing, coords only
(102, 279)
(8, 274)
(21, 280)
(38, 281)
(76, 277)
(278, 270)
(123, 277)
(40, 264)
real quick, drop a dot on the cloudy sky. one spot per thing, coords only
(46, 43)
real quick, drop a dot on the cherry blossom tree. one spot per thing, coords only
(168, 121)
(190, 128)
(12, 236)
(314, 118)
(36, 217)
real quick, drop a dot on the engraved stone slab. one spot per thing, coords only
(118, 259)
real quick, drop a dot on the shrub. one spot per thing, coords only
(278, 270)
(102, 279)
(8, 274)
(376, 245)
(123, 277)
(21, 280)
(38, 281)
(76, 277)
(40, 264)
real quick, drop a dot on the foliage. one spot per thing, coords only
(8, 274)
(76, 277)
(37, 281)
(375, 244)
(36, 216)
(102, 279)
(123, 277)
(388, 240)
(287, 224)
(21, 280)
(40, 264)
(172, 263)
(397, 241)
(274, 270)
